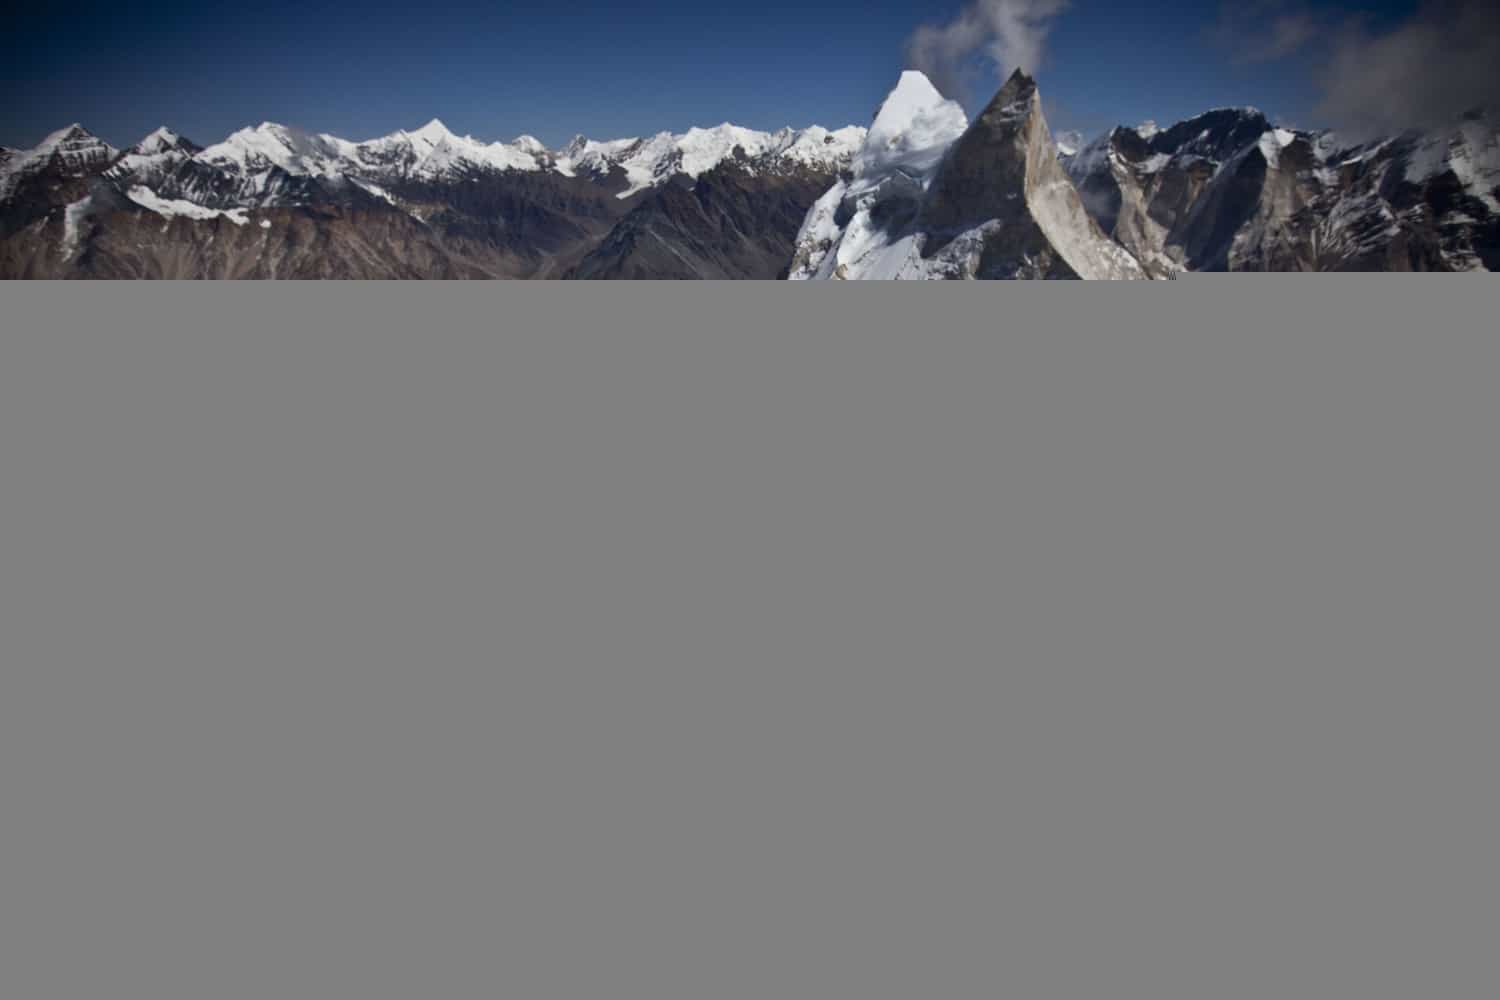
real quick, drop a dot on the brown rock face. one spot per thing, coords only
(1004, 174)
(1227, 191)
(729, 224)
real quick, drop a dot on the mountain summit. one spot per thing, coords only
(70, 152)
(858, 229)
(945, 199)
(162, 140)
(1002, 184)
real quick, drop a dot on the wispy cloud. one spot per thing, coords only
(1425, 70)
(1262, 31)
(1288, 34)
(1442, 61)
(1006, 34)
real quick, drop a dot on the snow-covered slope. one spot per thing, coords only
(162, 140)
(912, 130)
(1470, 151)
(153, 159)
(433, 152)
(932, 198)
(272, 163)
(1426, 200)
(847, 232)
(253, 150)
(262, 158)
(649, 162)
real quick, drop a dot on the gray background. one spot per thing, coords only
(707, 642)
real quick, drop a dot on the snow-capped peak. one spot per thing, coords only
(74, 139)
(432, 133)
(702, 149)
(429, 152)
(453, 152)
(64, 134)
(530, 144)
(903, 147)
(154, 157)
(271, 144)
(912, 130)
(932, 196)
(648, 162)
(160, 141)
(592, 156)
(913, 96)
(157, 141)
(818, 146)
(72, 150)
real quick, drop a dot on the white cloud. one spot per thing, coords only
(1260, 31)
(1439, 63)
(1009, 34)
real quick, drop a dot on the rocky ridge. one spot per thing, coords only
(274, 201)
(933, 196)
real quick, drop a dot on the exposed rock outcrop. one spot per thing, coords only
(987, 200)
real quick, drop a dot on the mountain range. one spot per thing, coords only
(924, 192)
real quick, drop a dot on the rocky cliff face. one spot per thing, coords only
(989, 200)
(727, 224)
(1002, 190)
(1227, 191)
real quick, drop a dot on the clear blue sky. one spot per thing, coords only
(601, 68)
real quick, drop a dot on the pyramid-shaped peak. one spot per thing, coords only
(913, 99)
(75, 146)
(1005, 170)
(913, 91)
(1021, 79)
(162, 140)
(68, 133)
(434, 131)
(1217, 133)
(914, 81)
(911, 131)
(1016, 97)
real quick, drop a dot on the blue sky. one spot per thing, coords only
(608, 69)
